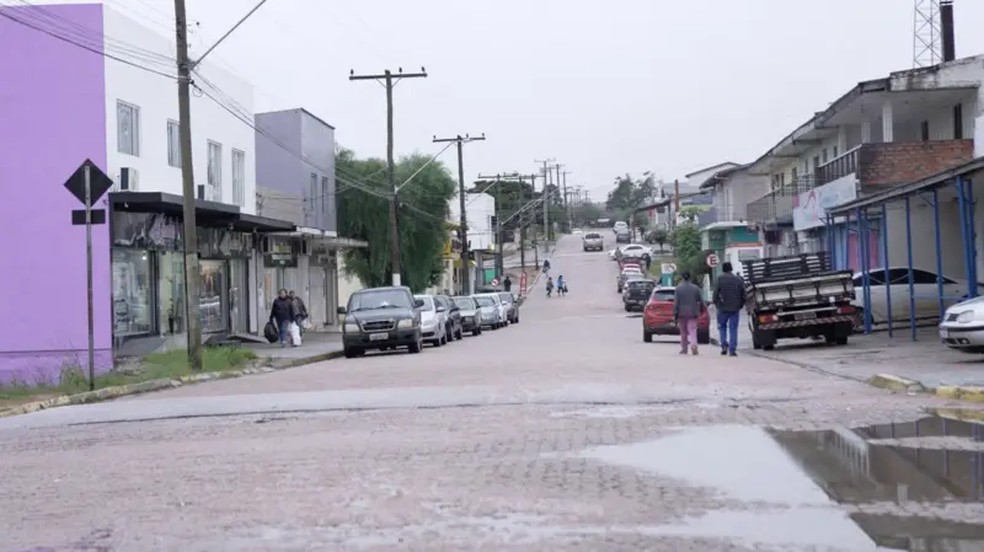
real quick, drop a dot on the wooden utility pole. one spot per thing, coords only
(466, 287)
(388, 80)
(546, 199)
(676, 202)
(191, 271)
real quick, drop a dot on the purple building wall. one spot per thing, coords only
(52, 108)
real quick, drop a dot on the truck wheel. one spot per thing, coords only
(703, 338)
(647, 337)
(841, 340)
(768, 347)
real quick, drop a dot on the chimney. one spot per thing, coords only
(946, 30)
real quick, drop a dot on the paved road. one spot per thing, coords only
(565, 432)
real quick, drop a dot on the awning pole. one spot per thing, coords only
(939, 250)
(911, 276)
(885, 263)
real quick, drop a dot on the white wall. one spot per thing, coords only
(924, 235)
(479, 209)
(157, 98)
(347, 285)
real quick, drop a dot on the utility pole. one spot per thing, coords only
(190, 237)
(466, 287)
(388, 79)
(676, 202)
(567, 203)
(546, 199)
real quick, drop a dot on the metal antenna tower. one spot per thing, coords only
(927, 47)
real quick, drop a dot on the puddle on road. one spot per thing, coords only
(846, 489)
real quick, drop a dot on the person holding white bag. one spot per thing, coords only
(284, 315)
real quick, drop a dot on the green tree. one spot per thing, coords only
(423, 213)
(660, 237)
(690, 256)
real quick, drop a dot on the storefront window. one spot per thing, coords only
(238, 296)
(133, 308)
(170, 292)
(214, 296)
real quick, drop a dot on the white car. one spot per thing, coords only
(501, 307)
(926, 293)
(433, 321)
(631, 250)
(962, 327)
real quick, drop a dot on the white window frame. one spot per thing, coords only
(128, 145)
(173, 144)
(239, 177)
(215, 171)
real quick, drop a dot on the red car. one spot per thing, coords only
(657, 318)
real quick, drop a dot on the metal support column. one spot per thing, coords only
(911, 276)
(883, 229)
(939, 250)
(972, 231)
(865, 269)
(967, 236)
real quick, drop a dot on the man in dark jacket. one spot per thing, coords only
(729, 298)
(507, 284)
(283, 314)
(688, 303)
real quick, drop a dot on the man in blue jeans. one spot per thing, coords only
(729, 298)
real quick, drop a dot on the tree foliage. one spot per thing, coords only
(511, 195)
(658, 236)
(690, 256)
(422, 218)
(629, 195)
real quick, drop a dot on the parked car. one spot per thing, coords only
(592, 241)
(381, 318)
(453, 327)
(625, 274)
(926, 293)
(962, 327)
(657, 318)
(637, 293)
(512, 309)
(471, 318)
(433, 321)
(623, 235)
(490, 311)
(502, 307)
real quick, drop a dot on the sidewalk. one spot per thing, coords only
(315, 347)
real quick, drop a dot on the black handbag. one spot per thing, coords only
(271, 333)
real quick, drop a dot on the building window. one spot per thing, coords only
(133, 297)
(312, 200)
(924, 131)
(958, 122)
(214, 171)
(825, 155)
(127, 128)
(239, 177)
(173, 144)
(324, 202)
(835, 152)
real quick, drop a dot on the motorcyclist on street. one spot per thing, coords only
(546, 266)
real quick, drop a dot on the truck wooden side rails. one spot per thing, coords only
(798, 297)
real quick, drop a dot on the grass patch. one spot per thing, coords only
(171, 365)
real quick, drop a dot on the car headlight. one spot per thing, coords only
(967, 316)
(351, 327)
(405, 324)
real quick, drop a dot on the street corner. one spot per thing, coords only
(892, 382)
(971, 393)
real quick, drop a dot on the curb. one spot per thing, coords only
(115, 392)
(895, 383)
(970, 393)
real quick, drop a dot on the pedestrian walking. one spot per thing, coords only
(561, 286)
(687, 306)
(282, 314)
(550, 285)
(507, 284)
(300, 309)
(729, 299)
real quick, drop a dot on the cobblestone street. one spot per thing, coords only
(564, 432)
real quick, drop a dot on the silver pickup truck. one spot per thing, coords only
(592, 241)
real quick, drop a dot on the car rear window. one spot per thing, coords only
(663, 295)
(592, 236)
(641, 284)
(428, 302)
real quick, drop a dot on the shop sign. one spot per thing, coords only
(276, 260)
(810, 208)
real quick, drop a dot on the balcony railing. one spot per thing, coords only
(839, 166)
(777, 205)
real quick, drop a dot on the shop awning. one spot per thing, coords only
(330, 239)
(207, 213)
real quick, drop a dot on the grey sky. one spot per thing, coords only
(605, 87)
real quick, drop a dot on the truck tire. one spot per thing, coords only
(704, 337)
(647, 337)
(766, 340)
(841, 340)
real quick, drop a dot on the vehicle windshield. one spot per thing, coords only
(485, 301)
(506, 297)
(379, 299)
(592, 236)
(465, 303)
(428, 302)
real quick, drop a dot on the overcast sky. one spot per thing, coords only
(604, 87)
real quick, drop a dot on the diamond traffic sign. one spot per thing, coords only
(99, 183)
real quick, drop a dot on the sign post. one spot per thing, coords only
(88, 184)
(712, 260)
(522, 284)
